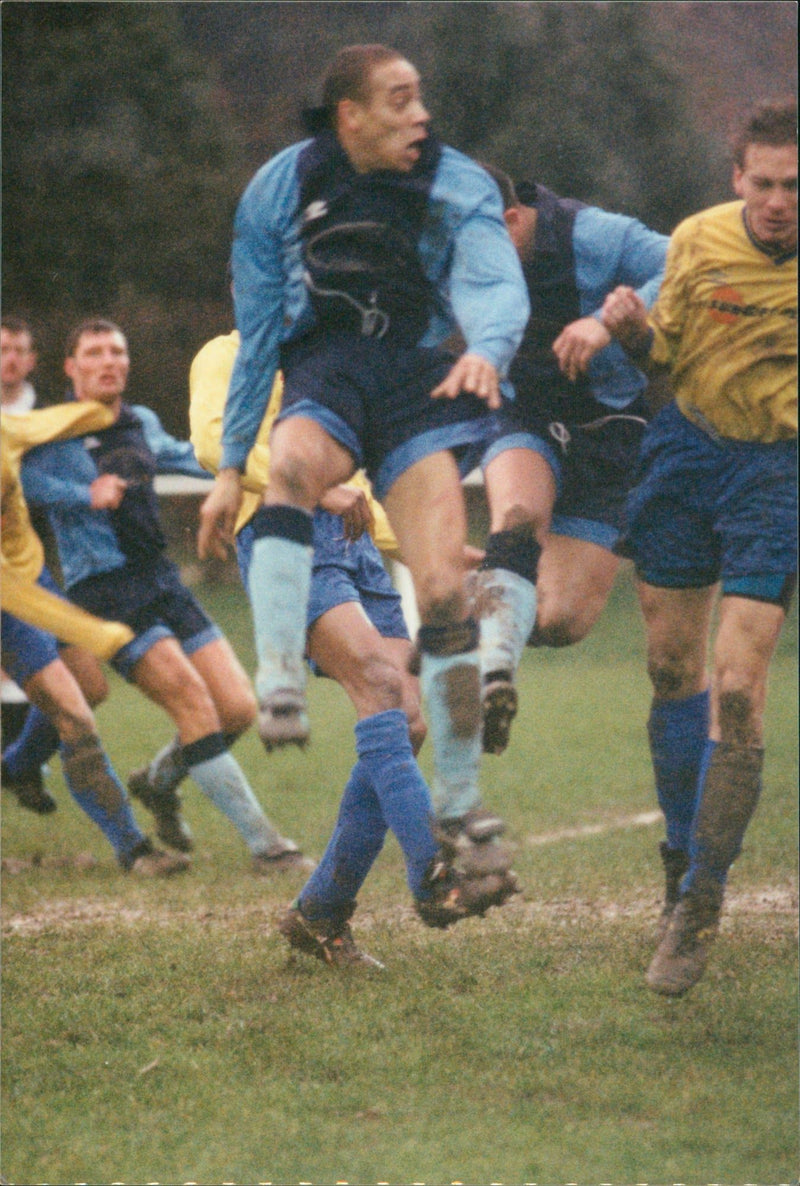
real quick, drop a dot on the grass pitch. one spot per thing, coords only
(158, 1032)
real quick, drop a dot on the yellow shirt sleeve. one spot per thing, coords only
(21, 547)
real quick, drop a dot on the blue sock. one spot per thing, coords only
(222, 780)
(278, 583)
(352, 850)
(97, 790)
(37, 742)
(384, 748)
(678, 733)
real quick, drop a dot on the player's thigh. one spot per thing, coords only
(228, 684)
(677, 625)
(747, 635)
(166, 677)
(346, 646)
(520, 488)
(573, 583)
(426, 509)
(305, 461)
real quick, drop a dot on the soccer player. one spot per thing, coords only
(100, 499)
(560, 460)
(716, 501)
(356, 254)
(32, 657)
(357, 636)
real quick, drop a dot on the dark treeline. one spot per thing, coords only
(129, 131)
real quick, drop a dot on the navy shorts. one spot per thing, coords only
(593, 457)
(373, 396)
(26, 650)
(154, 602)
(708, 509)
(342, 570)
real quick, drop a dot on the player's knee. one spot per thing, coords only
(558, 629)
(381, 684)
(671, 677)
(738, 721)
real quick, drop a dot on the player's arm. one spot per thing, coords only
(36, 606)
(487, 291)
(610, 250)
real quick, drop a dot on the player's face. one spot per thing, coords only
(17, 357)
(387, 131)
(99, 367)
(767, 183)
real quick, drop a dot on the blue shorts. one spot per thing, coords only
(373, 396)
(154, 602)
(593, 455)
(26, 650)
(343, 570)
(707, 509)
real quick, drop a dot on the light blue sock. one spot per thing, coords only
(38, 740)
(384, 749)
(451, 687)
(352, 850)
(97, 790)
(168, 768)
(279, 581)
(222, 780)
(506, 605)
(678, 734)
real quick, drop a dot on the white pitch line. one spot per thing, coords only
(643, 820)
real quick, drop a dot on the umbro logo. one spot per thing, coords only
(315, 210)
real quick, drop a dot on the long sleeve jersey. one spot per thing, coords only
(463, 247)
(725, 323)
(580, 253)
(22, 551)
(58, 478)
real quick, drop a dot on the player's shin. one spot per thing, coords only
(279, 580)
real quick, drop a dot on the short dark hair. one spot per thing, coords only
(349, 73)
(16, 325)
(508, 191)
(91, 325)
(773, 121)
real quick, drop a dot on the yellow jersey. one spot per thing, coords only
(209, 377)
(22, 551)
(725, 324)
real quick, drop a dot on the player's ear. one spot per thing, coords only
(738, 181)
(69, 367)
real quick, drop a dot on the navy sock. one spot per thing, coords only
(35, 745)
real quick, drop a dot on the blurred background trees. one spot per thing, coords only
(130, 130)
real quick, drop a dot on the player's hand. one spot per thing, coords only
(624, 314)
(577, 344)
(218, 515)
(107, 492)
(474, 374)
(352, 505)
